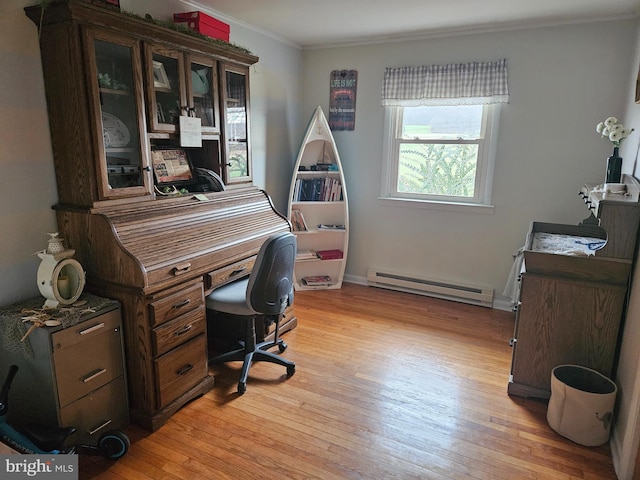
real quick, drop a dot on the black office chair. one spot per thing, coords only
(267, 291)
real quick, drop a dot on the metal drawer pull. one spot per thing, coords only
(100, 427)
(184, 369)
(92, 329)
(94, 375)
(183, 303)
(184, 330)
(180, 269)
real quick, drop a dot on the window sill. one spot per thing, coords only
(434, 205)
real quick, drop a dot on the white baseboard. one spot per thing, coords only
(498, 303)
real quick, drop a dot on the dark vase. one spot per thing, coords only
(614, 167)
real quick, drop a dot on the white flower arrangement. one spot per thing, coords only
(613, 130)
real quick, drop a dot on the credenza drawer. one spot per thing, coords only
(173, 333)
(175, 304)
(180, 369)
(98, 412)
(230, 272)
(85, 362)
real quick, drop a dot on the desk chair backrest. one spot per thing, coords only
(270, 287)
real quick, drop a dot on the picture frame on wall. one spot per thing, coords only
(342, 99)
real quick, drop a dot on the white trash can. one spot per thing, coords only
(581, 404)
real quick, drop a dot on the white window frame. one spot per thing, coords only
(481, 201)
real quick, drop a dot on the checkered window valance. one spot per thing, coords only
(455, 84)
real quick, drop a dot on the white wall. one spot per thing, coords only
(562, 82)
(625, 436)
(27, 178)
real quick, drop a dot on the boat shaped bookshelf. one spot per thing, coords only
(318, 209)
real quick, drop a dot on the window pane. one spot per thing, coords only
(437, 169)
(446, 122)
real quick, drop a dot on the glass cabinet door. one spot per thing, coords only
(237, 168)
(165, 89)
(117, 91)
(202, 80)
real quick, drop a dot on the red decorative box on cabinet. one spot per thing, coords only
(203, 23)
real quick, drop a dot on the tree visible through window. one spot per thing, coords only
(439, 152)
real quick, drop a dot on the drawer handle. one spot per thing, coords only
(100, 427)
(94, 375)
(183, 303)
(237, 272)
(184, 330)
(92, 329)
(184, 369)
(180, 269)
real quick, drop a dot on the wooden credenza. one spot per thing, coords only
(571, 306)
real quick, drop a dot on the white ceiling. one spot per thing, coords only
(316, 23)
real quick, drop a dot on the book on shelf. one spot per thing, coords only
(328, 226)
(317, 189)
(297, 221)
(317, 280)
(329, 254)
(306, 255)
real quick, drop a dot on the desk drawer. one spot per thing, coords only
(173, 333)
(91, 363)
(183, 300)
(230, 272)
(180, 369)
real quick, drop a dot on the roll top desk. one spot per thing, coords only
(117, 86)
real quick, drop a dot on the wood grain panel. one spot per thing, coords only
(564, 322)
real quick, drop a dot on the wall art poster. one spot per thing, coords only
(342, 101)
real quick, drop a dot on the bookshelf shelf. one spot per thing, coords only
(318, 197)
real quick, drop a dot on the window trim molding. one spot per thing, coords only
(458, 207)
(484, 177)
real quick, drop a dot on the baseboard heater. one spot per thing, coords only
(430, 287)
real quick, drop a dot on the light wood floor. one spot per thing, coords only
(388, 386)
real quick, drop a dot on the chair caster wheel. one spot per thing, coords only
(282, 347)
(242, 387)
(291, 370)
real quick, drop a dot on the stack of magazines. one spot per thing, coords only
(306, 255)
(317, 280)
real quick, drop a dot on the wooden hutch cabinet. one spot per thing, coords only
(571, 304)
(117, 86)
